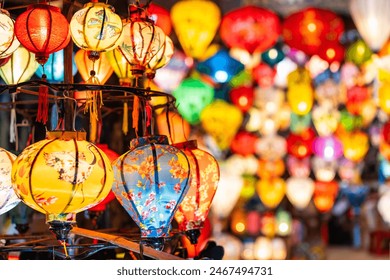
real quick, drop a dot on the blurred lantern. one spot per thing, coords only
(192, 96)
(203, 182)
(242, 97)
(300, 75)
(151, 180)
(8, 42)
(383, 206)
(194, 249)
(348, 73)
(299, 123)
(328, 92)
(308, 29)
(356, 96)
(220, 67)
(268, 224)
(325, 119)
(254, 119)
(384, 97)
(270, 168)
(384, 169)
(60, 176)
(358, 53)
(248, 188)
(300, 97)
(253, 222)
(216, 117)
(273, 55)
(283, 69)
(349, 171)
(369, 111)
(195, 30)
(328, 147)
(20, 68)
(332, 52)
(272, 147)
(279, 249)
(283, 223)
(264, 75)
(101, 66)
(298, 167)
(174, 126)
(230, 183)
(54, 68)
(161, 17)
(325, 194)
(119, 65)
(301, 145)
(349, 122)
(372, 21)
(242, 165)
(298, 57)
(232, 245)
(324, 169)
(355, 145)
(299, 191)
(263, 248)
(385, 132)
(244, 143)
(238, 221)
(271, 191)
(248, 60)
(8, 197)
(269, 100)
(251, 28)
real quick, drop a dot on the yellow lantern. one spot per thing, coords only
(355, 145)
(384, 97)
(120, 66)
(300, 97)
(20, 68)
(60, 176)
(195, 22)
(271, 191)
(325, 119)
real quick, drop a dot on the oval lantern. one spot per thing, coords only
(151, 180)
(8, 41)
(299, 191)
(174, 126)
(301, 145)
(42, 29)
(60, 176)
(8, 197)
(195, 30)
(203, 182)
(300, 97)
(271, 191)
(358, 53)
(251, 28)
(325, 194)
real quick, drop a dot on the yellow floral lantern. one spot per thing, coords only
(60, 176)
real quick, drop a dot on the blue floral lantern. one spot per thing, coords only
(151, 180)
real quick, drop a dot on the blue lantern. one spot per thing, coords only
(151, 180)
(221, 67)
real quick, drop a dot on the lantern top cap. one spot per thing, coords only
(147, 140)
(44, 6)
(66, 135)
(99, 4)
(5, 12)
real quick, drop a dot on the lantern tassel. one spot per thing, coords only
(135, 114)
(43, 102)
(125, 123)
(12, 132)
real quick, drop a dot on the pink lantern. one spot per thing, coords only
(298, 167)
(328, 147)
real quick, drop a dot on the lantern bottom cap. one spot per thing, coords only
(156, 243)
(61, 229)
(193, 235)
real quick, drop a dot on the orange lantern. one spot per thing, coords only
(271, 168)
(271, 191)
(355, 145)
(324, 195)
(203, 182)
(174, 126)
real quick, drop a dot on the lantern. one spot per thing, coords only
(263, 248)
(298, 167)
(20, 68)
(272, 147)
(298, 123)
(355, 145)
(253, 223)
(174, 126)
(192, 96)
(242, 165)
(325, 119)
(325, 194)
(242, 97)
(383, 206)
(324, 169)
(384, 96)
(271, 191)
(332, 52)
(151, 180)
(268, 224)
(162, 58)
(328, 147)
(120, 66)
(356, 96)
(60, 176)
(299, 191)
(372, 21)
(301, 145)
(8, 197)
(283, 222)
(232, 245)
(203, 183)
(279, 249)
(349, 171)
(196, 29)
(271, 168)
(8, 41)
(264, 75)
(243, 143)
(161, 17)
(251, 28)
(358, 53)
(300, 97)
(273, 55)
(96, 28)
(238, 222)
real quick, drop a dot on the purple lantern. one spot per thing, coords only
(328, 147)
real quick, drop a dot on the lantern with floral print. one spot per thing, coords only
(8, 197)
(151, 180)
(8, 41)
(60, 176)
(203, 183)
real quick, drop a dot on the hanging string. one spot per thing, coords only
(13, 128)
(43, 101)
(135, 113)
(63, 243)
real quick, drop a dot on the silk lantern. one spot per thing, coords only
(151, 180)
(355, 145)
(268, 224)
(264, 75)
(325, 194)
(174, 126)
(358, 53)
(325, 119)
(356, 96)
(272, 147)
(271, 191)
(162, 58)
(263, 248)
(244, 143)
(252, 28)
(242, 97)
(328, 147)
(8, 42)
(283, 223)
(203, 182)
(299, 123)
(332, 52)
(60, 176)
(8, 197)
(271, 168)
(300, 97)
(273, 55)
(195, 30)
(120, 66)
(299, 191)
(301, 145)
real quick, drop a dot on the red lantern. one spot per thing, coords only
(324, 195)
(244, 143)
(251, 28)
(308, 29)
(242, 97)
(331, 52)
(301, 145)
(386, 132)
(42, 30)
(356, 96)
(264, 75)
(161, 17)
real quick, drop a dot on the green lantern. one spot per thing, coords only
(358, 53)
(192, 96)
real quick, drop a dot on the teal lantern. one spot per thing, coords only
(151, 180)
(273, 56)
(192, 96)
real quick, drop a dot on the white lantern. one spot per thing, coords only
(384, 206)
(299, 191)
(8, 197)
(263, 248)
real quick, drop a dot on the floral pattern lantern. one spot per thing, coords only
(151, 180)
(8, 41)
(60, 176)
(203, 183)
(8, 197)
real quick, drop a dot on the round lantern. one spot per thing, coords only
(192, 96)
(299, 191)
(244, 143)
(358, 53)
(332, 52)
(8, 197)
(174, 126)
(301, 145)
(8, 41)
(42, 29)
(20, 68)
(161, 17)
(356, 96)
(242, 97)
(120, 66)
(160, 59)
(251, 28)
(355, 145)
(60, 176)
(96, 28)
(325, 194)
(196, 29)
(300, 97)
(151, 180)
(203, 183)
(271, 191)
(328, 147)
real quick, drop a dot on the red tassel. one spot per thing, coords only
(43, 104)
(148, 114)
(135, 113)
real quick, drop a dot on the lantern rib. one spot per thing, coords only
(156, 177)
(104, 167)
(47, 42)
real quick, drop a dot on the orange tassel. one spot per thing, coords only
(125, 123)
(135, 113)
